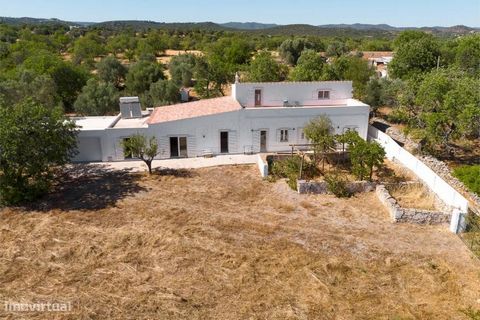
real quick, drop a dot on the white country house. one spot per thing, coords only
(257, 117)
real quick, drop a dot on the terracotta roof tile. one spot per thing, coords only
(194, 109)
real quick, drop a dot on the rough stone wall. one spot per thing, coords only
(443, 171)
(304, 187)
(439, 167)
(399, 214)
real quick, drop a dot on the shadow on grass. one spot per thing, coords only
(177, 173)
(89, 187)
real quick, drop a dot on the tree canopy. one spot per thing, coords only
(97, 99)
(265, 69)
(34, 140)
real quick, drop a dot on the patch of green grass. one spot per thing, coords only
(470, 176)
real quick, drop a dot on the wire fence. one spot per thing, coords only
(471, 234)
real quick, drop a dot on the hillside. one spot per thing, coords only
(335, 30)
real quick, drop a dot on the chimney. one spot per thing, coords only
(130, 107)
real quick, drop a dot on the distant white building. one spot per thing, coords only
(257, 117)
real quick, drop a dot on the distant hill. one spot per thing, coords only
(334, 30)
(140, 24)
(248, 25)
(40, 21)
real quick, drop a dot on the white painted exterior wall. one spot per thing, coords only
(439, 186)
(244, 125)
(305, 93)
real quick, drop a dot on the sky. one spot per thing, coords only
(406, 13)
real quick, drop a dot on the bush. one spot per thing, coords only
(337, 185)
(470, 176)
(398, 115)
(290, 168)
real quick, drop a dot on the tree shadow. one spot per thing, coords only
(177, 173)
(89, 187)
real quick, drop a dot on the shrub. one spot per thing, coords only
(337, 185)
(470, 176)
(290, 168)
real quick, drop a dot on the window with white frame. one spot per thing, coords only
(323, 94)
(283, 135)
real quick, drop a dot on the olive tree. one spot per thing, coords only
(320, 132)
(139, 146)
(34, 141)
(364, 155)
(97, 99)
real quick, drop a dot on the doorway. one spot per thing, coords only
(178, 147)
(263, 140)
(224, 142)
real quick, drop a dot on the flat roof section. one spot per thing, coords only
(134, 122)
(94, 123)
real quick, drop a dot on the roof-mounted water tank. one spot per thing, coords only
(130, 107)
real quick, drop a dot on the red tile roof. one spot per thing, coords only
(194, 109)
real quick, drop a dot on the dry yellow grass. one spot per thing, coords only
(414, 196)
(220, 243)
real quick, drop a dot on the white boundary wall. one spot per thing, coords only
(441, 188)
(262, 166)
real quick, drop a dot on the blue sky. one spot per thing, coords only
(393, 12)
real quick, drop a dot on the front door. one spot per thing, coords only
(173, 147)
(224, 142)
(263, 141)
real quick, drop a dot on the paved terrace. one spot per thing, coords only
(183, 163)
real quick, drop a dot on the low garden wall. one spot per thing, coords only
(304, 187)
(400, 214)
(262, 165)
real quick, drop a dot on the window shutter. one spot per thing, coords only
(278, 135)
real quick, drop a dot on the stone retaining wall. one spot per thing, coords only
(304, 187)
(400, 214)
(443, 171)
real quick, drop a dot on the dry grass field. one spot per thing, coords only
(221, 243)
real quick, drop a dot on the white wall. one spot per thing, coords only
(244, 125)
(306, 93)
(441, 188)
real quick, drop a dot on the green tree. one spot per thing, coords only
(181, 69)
(34, 141)
(291, 49)
(336, 49)
(320, 132)
(264, 68)
(39, 88)
(449, 103)
(141, 147)
(416, 53)
(309, 67)
(374, 94)
(86, 48)
(364, 155)
(351, 68)
(141, 75)
(69, 79)
(97, 99)
(110, 70)
(468, 54)
(163, 92)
